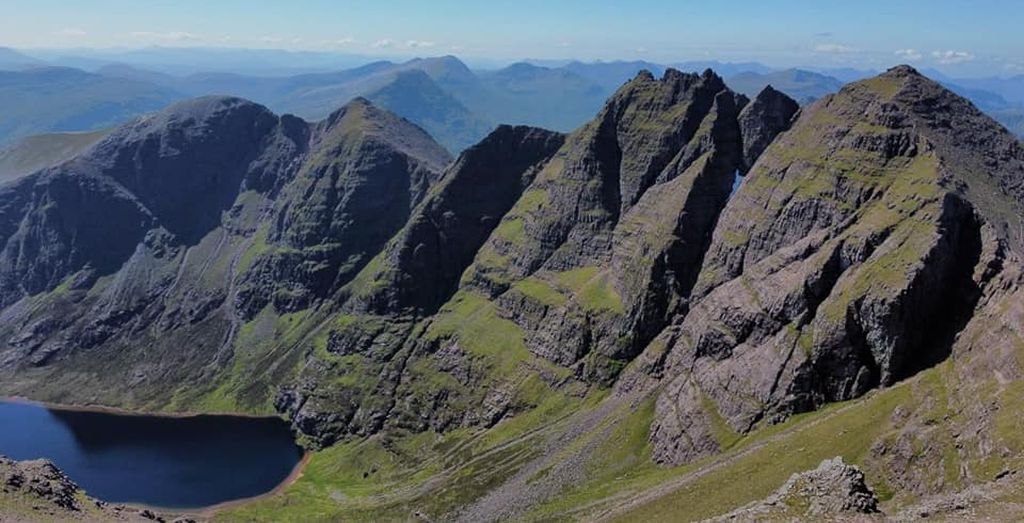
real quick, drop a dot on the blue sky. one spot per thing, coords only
(959, 36)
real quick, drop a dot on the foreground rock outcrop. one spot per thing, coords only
(38, 491)
(834, 491)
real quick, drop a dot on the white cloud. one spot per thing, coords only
(833, 49)
(641, 50)
(345, 41)
(70, 31)
(418, 44)
(952, 57)
(383, 43)
(911, 55)
(270, 39)
(171, 36)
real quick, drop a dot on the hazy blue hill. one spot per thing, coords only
(844, 74)
(425, 91)
(1012, 88)
(32, 153)
(611, 75)
(13, 60)
(556, 99)
(803, 86)
(722, 68)
(985, 100)
(415, 96)
(1013, 119)
(54, 99)
(181, 61)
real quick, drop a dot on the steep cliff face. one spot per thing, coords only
(573, 252)
(643, 181)
(172, 231)
(424, 262)
(850, 257)
(768, 114)
(366, 170)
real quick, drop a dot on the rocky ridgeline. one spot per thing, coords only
(352, 277)
(853, 253)
(177, 228)
(577, 249)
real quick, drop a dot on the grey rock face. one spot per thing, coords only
(851, 256)
(424, 262)
(366, 170)
(538, 229)
(179, 226)
(768, 114)
(41, 479)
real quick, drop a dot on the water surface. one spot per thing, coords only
(159, 461)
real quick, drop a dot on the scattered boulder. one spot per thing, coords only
(834, 490)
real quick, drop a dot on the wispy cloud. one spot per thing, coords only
(348, 40)
(823, 34)
(170, 36)
(271, 39)
(1014, 67)
(834, 49)
(951, 57)
(383, 43)
(419, 44)
(70, 31)
(910, 55)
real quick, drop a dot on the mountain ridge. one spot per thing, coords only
(552, 325)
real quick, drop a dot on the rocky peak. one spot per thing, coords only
(902, 71)
(205, 214)
(184, 163)
(652, 119)
(425, 261)
(768, 114)
(849, 259)
(643, 75)
(360, 119)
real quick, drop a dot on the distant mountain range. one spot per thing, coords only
(456, 105)
(11, 59)
(60, 99)
(802, 86)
